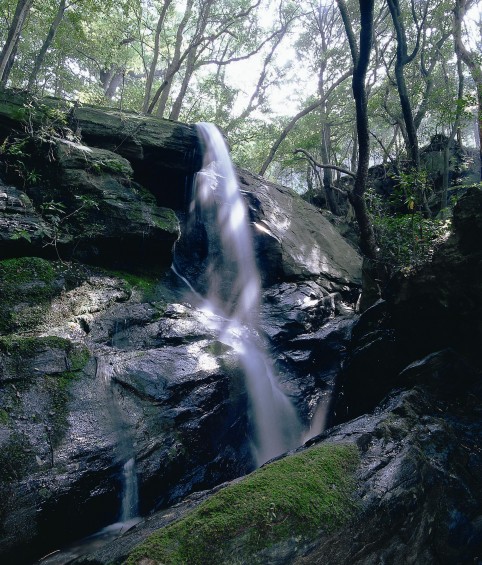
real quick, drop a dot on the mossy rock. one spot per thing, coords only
(294, 497)
(15, 458)
(41, 368)
(27, 284)
(22, 350)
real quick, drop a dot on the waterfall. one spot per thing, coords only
(232, 291)
(130, 496)
(129, 506)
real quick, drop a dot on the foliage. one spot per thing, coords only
(405, 240)
(295, 496)
(23, 151)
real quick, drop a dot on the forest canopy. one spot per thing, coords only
(276, 76)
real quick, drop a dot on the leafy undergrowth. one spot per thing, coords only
(294, 497)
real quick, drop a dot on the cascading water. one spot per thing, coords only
(129, 508)
(232, 290)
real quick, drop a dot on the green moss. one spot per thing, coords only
(57, 385)
(115, 166)
(296, 496)
(15, 458)
(78, 357)
(166, 220)
(145, 284)
(27, 347)
(4, 418)
(25, 269)
(28, 284)
(217, 348)
(57, 417)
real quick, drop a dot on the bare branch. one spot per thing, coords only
(323, 165)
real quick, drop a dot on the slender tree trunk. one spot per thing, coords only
(327, 173)
(155, 56)
(471, 61)
(453, 133)
(361, 59)
(21, 13)
(403, 59)
(176, 62)
(354, 152)
(190, 67)
(291, 124)
(10, 62)
(411, 132)
(39, 59)
(115, 80)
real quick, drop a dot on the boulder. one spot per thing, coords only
(99, 369)
(112, 219)
(294, 241)
(108, 379)
(164, 154)
(22, 228)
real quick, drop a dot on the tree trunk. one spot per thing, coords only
(21, 13)
(327, 173)
(411, 132)
(155, 57)
(403, 59)
(190, 67)
(354, 152)
(39, 59)
(291, 124)
(361, 59)
(453, 132)
(471, 61)
(10, 62)
(110, 88)
(176, 62)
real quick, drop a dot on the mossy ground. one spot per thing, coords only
(296, 496)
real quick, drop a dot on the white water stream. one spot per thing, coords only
(233, 293)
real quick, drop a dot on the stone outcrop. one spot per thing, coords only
(156, 384)
(417, 496)
(412, 408)
(439, 306)
(296, 240)
(21, 227)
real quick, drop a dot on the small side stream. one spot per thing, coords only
(128, 515)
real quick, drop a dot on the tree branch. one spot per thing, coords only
(323, 165)
(290, 125)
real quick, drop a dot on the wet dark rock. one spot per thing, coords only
(176, 402)
(420, 493)
(418, 485)
(113, 221)
(157, 383)
(434, 308)
(164, 154)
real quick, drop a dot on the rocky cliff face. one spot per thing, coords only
(100, 366)
(409, 407)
